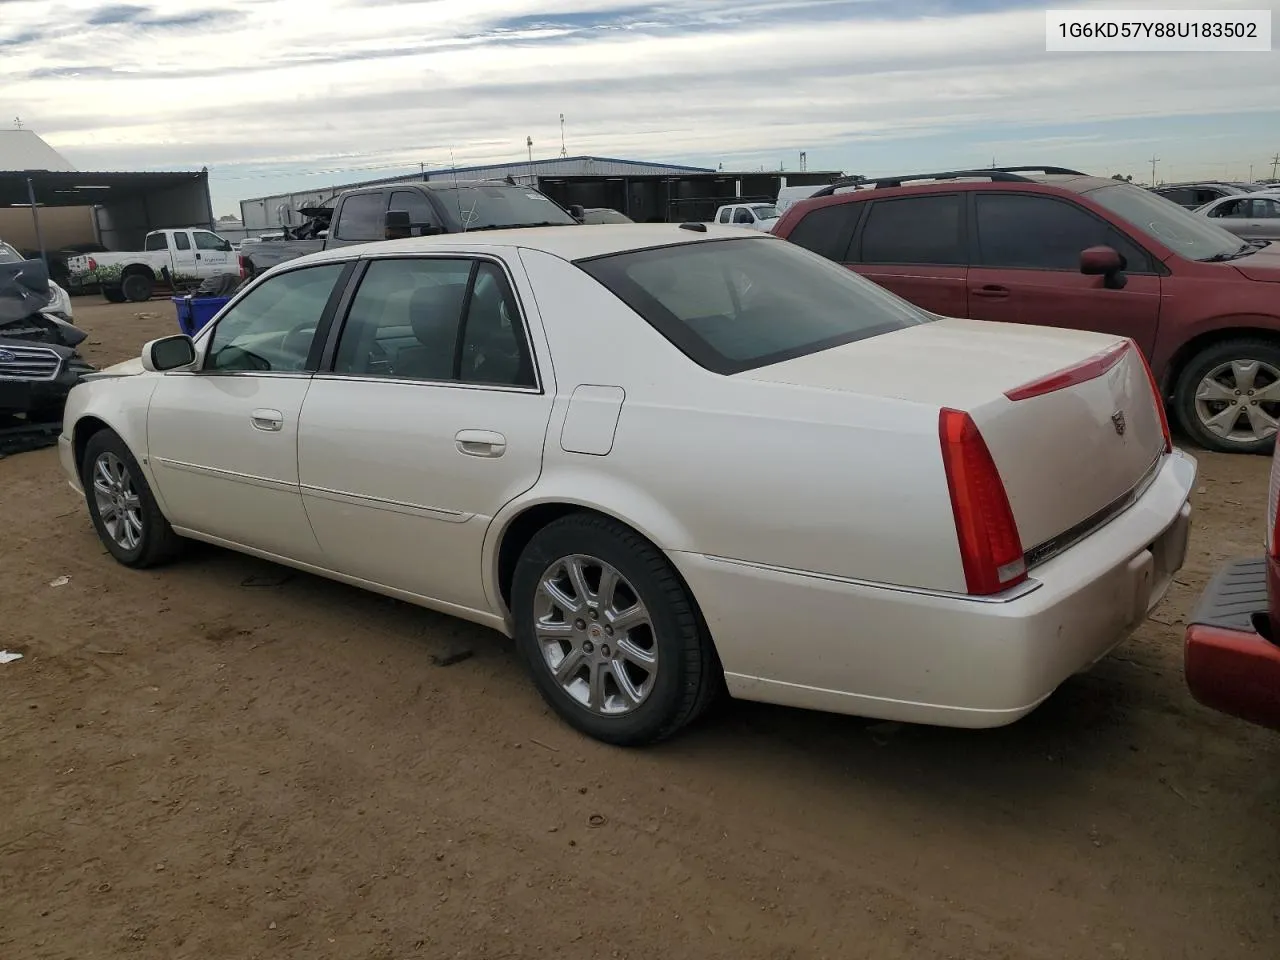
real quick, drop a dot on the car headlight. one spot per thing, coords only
(59, 302)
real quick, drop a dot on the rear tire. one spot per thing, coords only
(633, 685)
(137, 287)
(123, 509)
(1214, 403)
(113, 294)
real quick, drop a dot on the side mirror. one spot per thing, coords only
(1105, 262)
(227, 246)
(168, 353)
(397, 225)
(577, 212)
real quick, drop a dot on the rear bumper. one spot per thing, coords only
(824, 643)
(1231, 662)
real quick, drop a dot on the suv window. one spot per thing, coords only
(362, 217)
(181, 241)
(419, 209)
(1265, 209)
(407, 321)
(914, 230)
(1042, 233)
(272, 327)
(826, 230)
(155, 241)
(734, 305)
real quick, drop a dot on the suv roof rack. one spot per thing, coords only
(995, 174)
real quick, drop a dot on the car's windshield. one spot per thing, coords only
(1194, 237)
(765, 211)
(8, 254)
(734, 305)
(493, 206)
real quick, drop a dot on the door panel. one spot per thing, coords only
(223, 467)
(942, 290)
(400, 480)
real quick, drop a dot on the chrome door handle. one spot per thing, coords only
(480, 443)
(269, 420)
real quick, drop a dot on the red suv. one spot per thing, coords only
(1060, 248)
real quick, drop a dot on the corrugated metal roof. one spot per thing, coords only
(22, 150)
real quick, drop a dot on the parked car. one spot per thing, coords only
(1232, 647)
(433, 420)
(420, 209)
(38, 361)
(1198, 193)
(1255, 217)
(171, 258)
(59, 304)
(754, 216)
(1064, 249)
(604, 215)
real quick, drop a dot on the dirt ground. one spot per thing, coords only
(226, 759)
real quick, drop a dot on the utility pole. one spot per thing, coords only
(1154, 161)
(17, 123)
(1275, 162)
(563, 152)
(804, 161)
(529, 143)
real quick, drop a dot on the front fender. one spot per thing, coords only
(120, 404)
(581, 486)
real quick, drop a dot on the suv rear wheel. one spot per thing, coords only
(1228, 397)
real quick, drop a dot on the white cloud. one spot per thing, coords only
(332, 84)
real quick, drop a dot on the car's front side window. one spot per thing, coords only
(362, 217)
(435, 319)
(155, 241)
(271, 329)
(1043, 233)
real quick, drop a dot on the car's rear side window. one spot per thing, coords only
(914, 230)
(827, 230)
(734, 305)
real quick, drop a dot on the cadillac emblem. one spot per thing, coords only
(1117, 421)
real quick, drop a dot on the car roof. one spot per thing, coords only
(569, 242)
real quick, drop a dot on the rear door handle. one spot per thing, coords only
(991, 291)
(480, 443)
(269, 420)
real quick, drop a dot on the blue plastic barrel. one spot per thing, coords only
(195, 312)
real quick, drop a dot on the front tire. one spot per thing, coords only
(1227, 398)
(610, 634)
(123, 509)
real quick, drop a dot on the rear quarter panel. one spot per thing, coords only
(834, 483)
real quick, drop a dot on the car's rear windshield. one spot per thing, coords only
(496, 206)
(734, 305)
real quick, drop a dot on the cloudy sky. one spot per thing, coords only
(300, 94)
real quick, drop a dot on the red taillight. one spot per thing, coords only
(990, 547)
(93, 264)
(1089, 369)
(244, 271)
(1156, 397)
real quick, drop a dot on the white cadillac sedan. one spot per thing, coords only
(665, 460)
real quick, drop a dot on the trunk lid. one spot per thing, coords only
(1069, 455)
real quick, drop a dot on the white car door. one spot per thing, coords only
(431, 417)
(223, 440)
(182, 255)
(214, 256)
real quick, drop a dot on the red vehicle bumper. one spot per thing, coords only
(1231, 657)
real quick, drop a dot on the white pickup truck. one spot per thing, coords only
(757, 216)
(172, 258)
